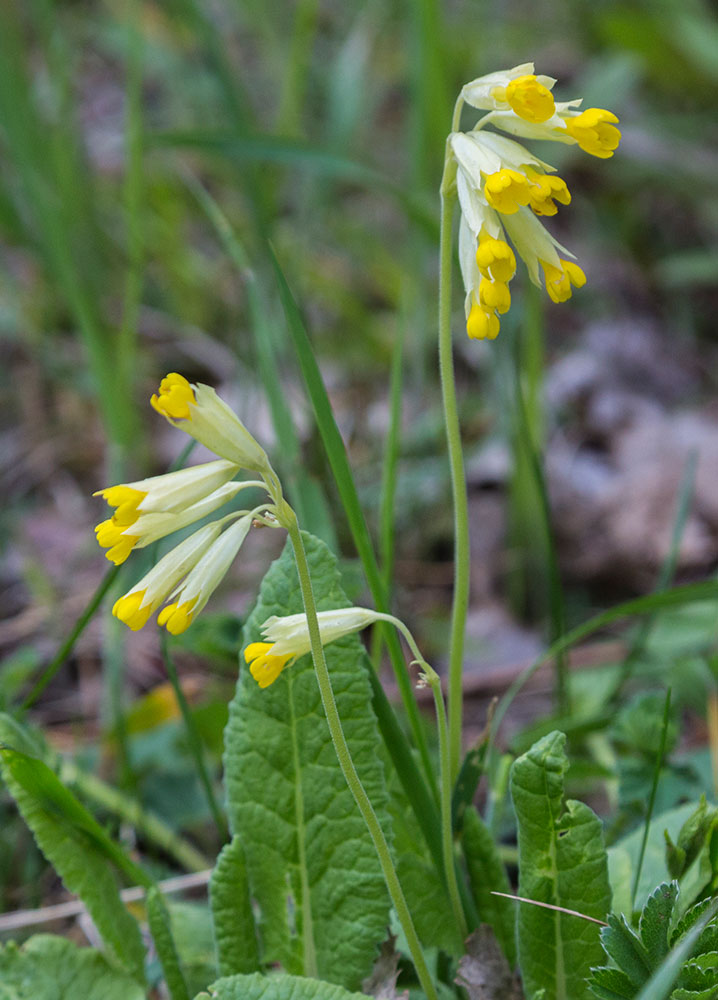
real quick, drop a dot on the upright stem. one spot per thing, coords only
(345, 761)
(431, 677)
(460, 603)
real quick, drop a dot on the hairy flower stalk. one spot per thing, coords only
(289, 520)
(503, 190)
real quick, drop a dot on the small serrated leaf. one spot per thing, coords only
(689, 918)
(655, 921)
(78, 848)
(611, 984)
(626, 949)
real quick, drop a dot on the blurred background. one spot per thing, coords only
(150, 151)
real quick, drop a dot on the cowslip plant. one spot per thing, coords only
(325, 853)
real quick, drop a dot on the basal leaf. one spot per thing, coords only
(487, 875)
(78, 848)
(562, 861)
(234, 931)
(425, 893)
(258, 987)
(52, 968)
(311, 863)
(159, 920)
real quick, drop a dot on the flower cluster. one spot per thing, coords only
(503, 189)
(150, 509)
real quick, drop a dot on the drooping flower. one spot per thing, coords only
(287, 638)
(138, 605)
(149, 509)
(502, 188)
(204, 577)
(198, 410)
(120, 539)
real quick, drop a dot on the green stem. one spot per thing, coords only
(431, 677)
(345, 760)
(195, 743)
(460, 603)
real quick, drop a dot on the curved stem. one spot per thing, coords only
(458, 480)
(345, 760)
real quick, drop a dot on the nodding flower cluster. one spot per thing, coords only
(503, 189)
(150, 509)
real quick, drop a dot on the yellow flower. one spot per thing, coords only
(132, 527)
(529, 98)
(136, 607)
(527, 95)
(560, 279)
(198, 410)
(204, 577)
(482, 324)
(502, 187)
(595, 132)
(288, 639)
(507, 191)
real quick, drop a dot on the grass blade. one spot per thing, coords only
(652, 798)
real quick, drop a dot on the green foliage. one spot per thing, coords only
(682, 844)
(257, 987)
(51, 968)
(487, 875)
(562, 861)
(311, 864)
(77, 846)
(191, 925)
(425, 893)
(643, 961)
(234, 930)
(159, 921)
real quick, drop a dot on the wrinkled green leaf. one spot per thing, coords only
(159, 920)
(51, 968)
(487, 875)
(234, 931)
(258, 987)
(562, 861)
(311, 862)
